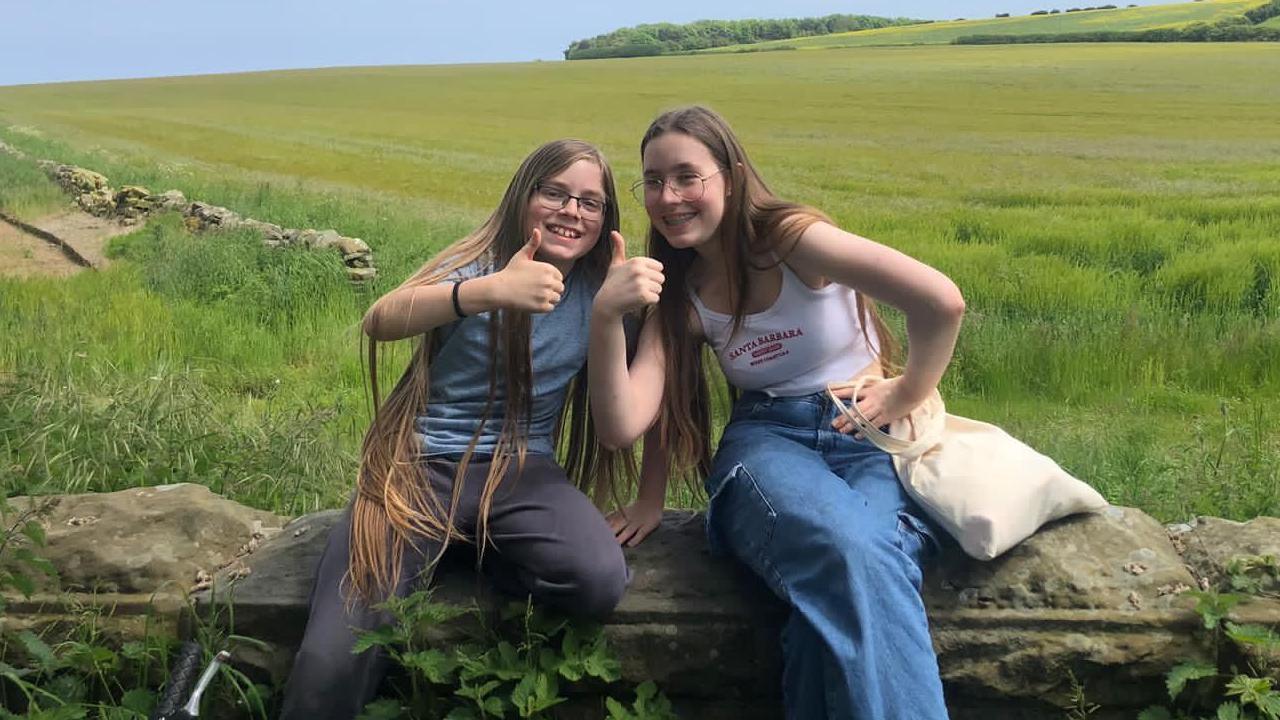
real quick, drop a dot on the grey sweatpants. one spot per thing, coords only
(548, 541)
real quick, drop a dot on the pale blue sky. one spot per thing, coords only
(55, 40)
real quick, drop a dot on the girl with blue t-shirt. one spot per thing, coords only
(464, 448)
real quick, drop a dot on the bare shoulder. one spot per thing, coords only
(818, 245)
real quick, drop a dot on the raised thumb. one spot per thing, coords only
(619, 248)
(531, 248)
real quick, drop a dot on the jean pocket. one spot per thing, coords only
(751, 408)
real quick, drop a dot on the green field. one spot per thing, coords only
(1150, 17)
(1111, 213)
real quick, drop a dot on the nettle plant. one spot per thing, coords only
(1241, 682)
(509, 668)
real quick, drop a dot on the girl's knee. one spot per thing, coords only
(598, 582)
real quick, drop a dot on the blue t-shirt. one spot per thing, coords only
(460, 373)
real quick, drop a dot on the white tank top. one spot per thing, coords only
(808, 338)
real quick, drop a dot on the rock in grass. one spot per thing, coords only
(1210, 545)
(145, 540)
(172, 200)
(361, 274)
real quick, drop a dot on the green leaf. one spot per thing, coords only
(571, 646)
(39, 651)
(1256, 635)
(477, 692)
(652, 704)
(435, 665)
(617, 711)
(646, 691)
(381, 637)
(1180, 675)
(9, 671)
(494, 705)
(504, 662)
(19, 582)
(549, 661)
(1269, 704)
(546, 691)
(135, 650)
(1155, 712)
(602, 666)
(139, 700)
(1213, 607)
(90, 658)
(1228, 711)
(43, 566)
(69, 688)
(462, 712)
(1250, 690)
(34, 532)
(522, 696)
(381, 709)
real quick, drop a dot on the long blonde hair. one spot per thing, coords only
(394, 503)
(756, 224)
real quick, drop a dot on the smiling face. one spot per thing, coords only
(569, 232)
(676, 158)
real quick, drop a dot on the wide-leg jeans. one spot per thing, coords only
(822, 518)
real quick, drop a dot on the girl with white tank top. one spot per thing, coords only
(815, 512)
(807, 338)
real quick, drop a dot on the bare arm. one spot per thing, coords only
(411, 310)
(931, 301)
(632, 524)
(625, 400)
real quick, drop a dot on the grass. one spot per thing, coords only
(24, 191)
(1110, 213)
(1148, 17)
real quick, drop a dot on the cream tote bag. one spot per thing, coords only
(987, 489)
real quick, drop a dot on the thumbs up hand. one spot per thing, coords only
(528, 284)
(630, 284)
(619, 248)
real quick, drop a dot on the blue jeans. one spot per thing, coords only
(823, 520)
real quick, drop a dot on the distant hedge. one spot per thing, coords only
(670, 38)
(1262, 13)
(1197, 32)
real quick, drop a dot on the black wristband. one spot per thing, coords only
(457, 307)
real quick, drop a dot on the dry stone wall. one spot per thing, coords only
(1101, 597)
(131, 204)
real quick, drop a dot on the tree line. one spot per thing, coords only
(671, 38)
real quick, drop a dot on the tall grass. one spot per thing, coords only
(99, 430)
(208, 359)
(24, 190)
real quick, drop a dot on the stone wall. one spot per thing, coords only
(1100, 597)
(132, 203)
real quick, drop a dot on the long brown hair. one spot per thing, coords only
(394, 504)
(756, 224)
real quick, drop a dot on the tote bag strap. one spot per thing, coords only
(927, 421)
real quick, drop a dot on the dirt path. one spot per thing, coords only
(24, 254)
